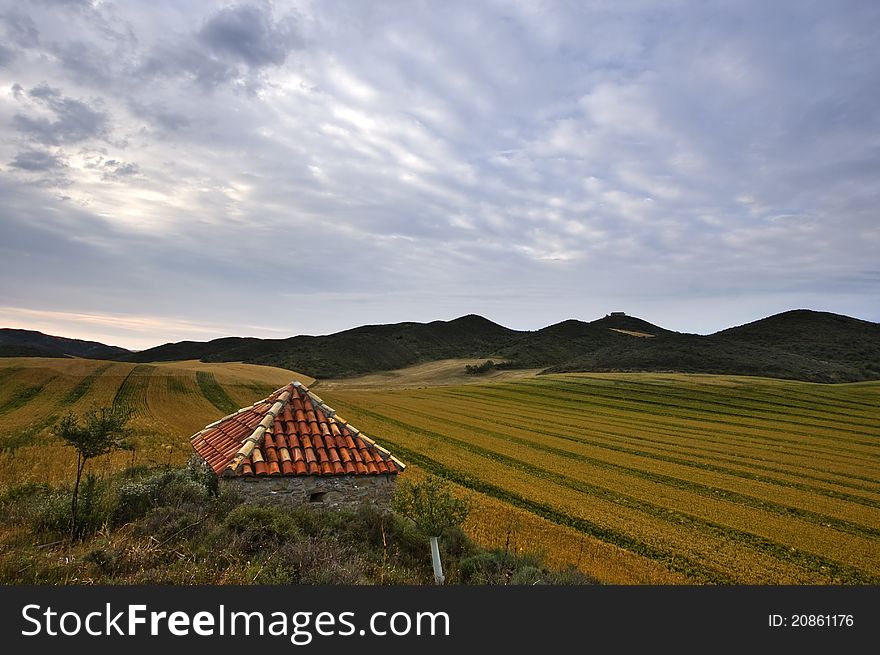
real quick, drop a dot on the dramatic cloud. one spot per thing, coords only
(697, 164)
(249, 34)
(36, 160)
(68, 120)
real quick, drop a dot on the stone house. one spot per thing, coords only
(292, 448)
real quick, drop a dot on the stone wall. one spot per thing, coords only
(347, 491)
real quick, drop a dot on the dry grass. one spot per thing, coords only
(445, 372)
(634, 478)
(633, 333)
(168, 405)
(708, 478)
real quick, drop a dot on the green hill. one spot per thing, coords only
(352, 352)
(30, 343)
(801, 345)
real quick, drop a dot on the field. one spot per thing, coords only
(652, 478)
(171, 401)
(633, 478)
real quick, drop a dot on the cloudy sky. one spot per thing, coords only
(187, 170)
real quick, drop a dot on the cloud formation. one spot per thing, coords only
(698, 164)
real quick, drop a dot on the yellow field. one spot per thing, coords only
(653, 478)
(170, 401)
(632, 478)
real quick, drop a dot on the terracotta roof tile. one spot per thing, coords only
(300, 438)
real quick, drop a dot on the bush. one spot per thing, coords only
(528, 575)
(95, 508)
(256, 528)
(430, 505)
(479, 369)
(499, 567)
(178, 488)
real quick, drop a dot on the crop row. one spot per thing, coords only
(82, 387)
(791, 433)
(763, 400)
(769, 407)
(626, 423)
(620, 509)
(575, 427)
(626, 489)
(215, 394)
(795, 433)
(601, 453)
(842, 515)
(676, 544)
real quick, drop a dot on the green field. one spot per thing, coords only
(634, 478)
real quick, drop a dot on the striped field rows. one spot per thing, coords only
(170, 402)
(721, 480)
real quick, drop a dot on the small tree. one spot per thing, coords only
(432, 507)
(101, 431)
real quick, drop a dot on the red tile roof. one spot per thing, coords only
(292, 432)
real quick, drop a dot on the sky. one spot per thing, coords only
(190, 170)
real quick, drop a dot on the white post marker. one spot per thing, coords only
(435, 558)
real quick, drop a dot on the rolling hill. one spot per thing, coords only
(799, 344)
(30, 343)
(360, 350)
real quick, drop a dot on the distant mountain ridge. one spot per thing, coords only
(30, 343)
(799, 344)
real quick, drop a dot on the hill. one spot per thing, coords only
(800, 345)
(828, 338)
(30, 343)
(357, 351)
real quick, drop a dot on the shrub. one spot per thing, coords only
(178, 488)
(430, 505)
(528, 575)
(499, 567)
(255, 528)
(479, 369)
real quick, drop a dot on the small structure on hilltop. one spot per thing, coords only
(291, 447)
(616, 314)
